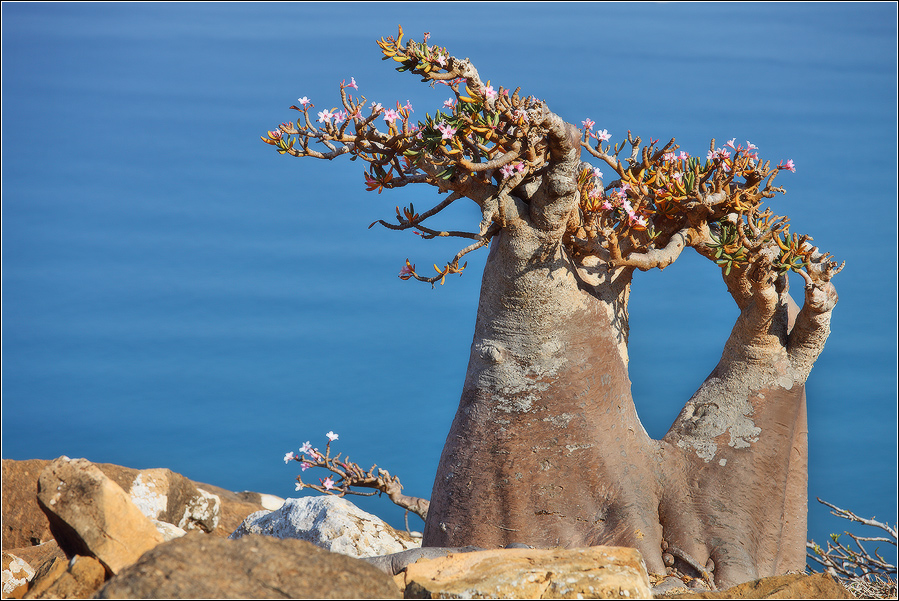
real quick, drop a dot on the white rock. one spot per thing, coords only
(270, 501)
(202, 512)
(148, 492)
(168, 531)
(332, 523)
(17, 574)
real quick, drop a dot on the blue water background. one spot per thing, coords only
(176, 294)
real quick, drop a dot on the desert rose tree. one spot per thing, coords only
(546, 447)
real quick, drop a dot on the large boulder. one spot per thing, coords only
(593, 572)
(89, 514)
(332, 523)
(259, 567)
(164, 495)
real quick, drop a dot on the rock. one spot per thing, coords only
(197, 566)
(164, 495)
(17, 574)
(790, 586)
(38, 555)
(89, 514)
(78, 578)
(236, 506)
(593, 572)
(168, 531)
(331, 523)
(24, 524)
(396, 562)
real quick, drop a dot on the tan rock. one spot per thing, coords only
(90, 514)
(46, 575)
(593, 572)
(790, 586)
(78, 578)
(38, 555)
(24, 524)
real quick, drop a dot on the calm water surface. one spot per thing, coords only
(176, 294)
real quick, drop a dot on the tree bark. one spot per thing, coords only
(547, 449)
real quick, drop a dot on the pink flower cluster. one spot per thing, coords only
(601, 135)
(788, 166)
(510, 169)
(447, 131)
(624, 203)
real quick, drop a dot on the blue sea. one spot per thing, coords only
(176, 294)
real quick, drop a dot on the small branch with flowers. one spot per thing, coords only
(345, 475)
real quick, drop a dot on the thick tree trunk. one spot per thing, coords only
(547, 449)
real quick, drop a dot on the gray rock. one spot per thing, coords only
(331, 523)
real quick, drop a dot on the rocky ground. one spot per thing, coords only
(74, 529)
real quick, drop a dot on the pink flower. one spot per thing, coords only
(305, 465)
(448, 104)
(679, 176)
(299, 486)
(303, 101)
(352, 84)
(327, 483)
(325, 116)
(275, 135)
(489, 93)
(289, 457)
(507, 171)
(520, 167)
(751, 146)
(789, 166)
(331, 436)
(447, 131)
(408, 107)
(390, 115)
(603, 135)
(376, 106)
(407, 271)
(339, 116)
(731, 143)
(682, 156)
(588, 123)
(669, 156)
(606, 204)
(306, 448)
(597, 173)
(520, 115)
(639, 221)
(441, 60)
